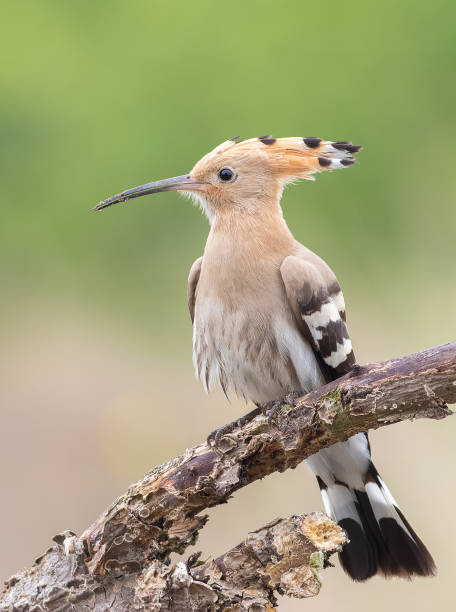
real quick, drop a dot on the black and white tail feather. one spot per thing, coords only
(354, 495)
(381, 539)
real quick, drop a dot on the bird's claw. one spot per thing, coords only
(273, 408)
(270, 410)
(215, 437)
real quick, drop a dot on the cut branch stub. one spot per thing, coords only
(285, 556)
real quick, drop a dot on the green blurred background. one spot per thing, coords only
(95, 361)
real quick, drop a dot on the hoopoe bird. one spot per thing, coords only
(269, 319)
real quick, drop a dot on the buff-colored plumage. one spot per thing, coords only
(259, 354)
(269, 319)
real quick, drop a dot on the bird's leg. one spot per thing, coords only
(271, 409)
(215, 436)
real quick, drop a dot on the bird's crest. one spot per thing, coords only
(296, 157)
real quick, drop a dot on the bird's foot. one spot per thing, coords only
(215, 437)
(273, 408)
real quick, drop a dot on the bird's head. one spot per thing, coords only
(248, 176)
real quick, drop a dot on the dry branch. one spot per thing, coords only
(285, 556)
(161, 513)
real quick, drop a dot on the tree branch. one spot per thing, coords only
(285, 556)
(161, 513)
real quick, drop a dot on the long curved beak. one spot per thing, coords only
(177, 183)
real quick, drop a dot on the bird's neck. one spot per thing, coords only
(246, 240)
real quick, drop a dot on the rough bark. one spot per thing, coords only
(285, 556)
(129, 544)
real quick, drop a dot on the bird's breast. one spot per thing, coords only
(252, 346)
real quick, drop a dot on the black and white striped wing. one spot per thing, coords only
(320, 309)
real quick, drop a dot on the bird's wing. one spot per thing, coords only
(192, 284)
(319, 307)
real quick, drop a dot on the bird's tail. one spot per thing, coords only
(381, 541)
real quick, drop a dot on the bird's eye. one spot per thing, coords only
(226, 174)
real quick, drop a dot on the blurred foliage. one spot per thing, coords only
(100, 96)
